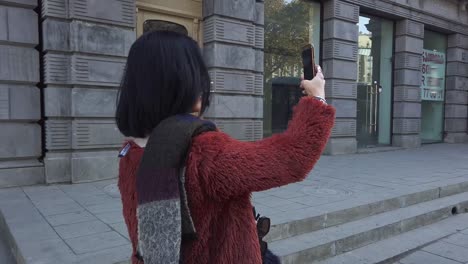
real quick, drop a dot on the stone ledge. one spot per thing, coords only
(337, 146)
(21, 176)
(20, 3)
(406, 141)
(456, 137)
(86, 165)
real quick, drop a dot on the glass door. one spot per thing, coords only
(374, 88)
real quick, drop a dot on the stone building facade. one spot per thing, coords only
(61, 63)
(20, 97)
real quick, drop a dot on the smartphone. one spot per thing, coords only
(308, 62)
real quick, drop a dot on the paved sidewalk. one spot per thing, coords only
(451, 250)
(67, 223)
(83, 223)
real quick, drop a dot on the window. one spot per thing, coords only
(433, 86)
(433, 66)
(289, 26)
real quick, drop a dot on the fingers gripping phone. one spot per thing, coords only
(308, 62)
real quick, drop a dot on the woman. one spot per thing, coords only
(186, 186)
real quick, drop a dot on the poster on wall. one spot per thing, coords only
(433, 75)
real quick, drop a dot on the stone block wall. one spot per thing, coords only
(233, 50)
(20, 98)
(456, 94)
(85, 43)
(406, 84)
(340, 47)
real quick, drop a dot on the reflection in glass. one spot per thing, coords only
(289, 25)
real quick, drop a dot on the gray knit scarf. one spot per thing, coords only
(163, 214)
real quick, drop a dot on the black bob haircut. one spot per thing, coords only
(165, 75)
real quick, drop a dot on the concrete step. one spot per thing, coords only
(392, 249)
(5, 252)
(332, 241)
(308, 220)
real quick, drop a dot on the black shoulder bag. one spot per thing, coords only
(263, 227)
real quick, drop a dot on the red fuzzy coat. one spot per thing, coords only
(221, 175)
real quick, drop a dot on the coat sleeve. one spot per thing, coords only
(224, 168)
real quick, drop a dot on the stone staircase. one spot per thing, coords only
(373, 232)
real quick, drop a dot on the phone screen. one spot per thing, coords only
(308, 62)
